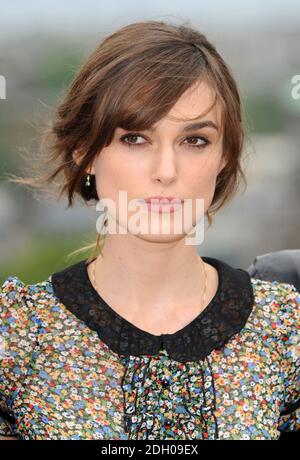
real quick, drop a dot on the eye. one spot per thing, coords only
(131, 136)
(134, 136)
(203, 140)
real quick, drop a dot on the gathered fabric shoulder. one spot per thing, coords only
(278, 305)
(19, 324)
(277, 311)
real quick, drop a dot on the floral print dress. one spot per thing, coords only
(72, 368)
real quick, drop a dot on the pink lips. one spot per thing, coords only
(164, 199)
(162, 204)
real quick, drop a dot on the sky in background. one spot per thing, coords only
(19, 16)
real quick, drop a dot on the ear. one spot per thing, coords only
(77, 155)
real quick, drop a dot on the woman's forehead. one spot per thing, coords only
(195, 101)
(200, 100)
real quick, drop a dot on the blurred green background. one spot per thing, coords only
(40, 60)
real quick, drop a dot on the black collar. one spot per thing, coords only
(225, 315)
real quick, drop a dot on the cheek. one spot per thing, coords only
(201, 181)
(115, 174)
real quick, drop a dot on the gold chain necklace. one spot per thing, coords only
(205, 284)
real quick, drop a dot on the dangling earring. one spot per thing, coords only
(87, 183)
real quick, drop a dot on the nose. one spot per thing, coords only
(164, 165)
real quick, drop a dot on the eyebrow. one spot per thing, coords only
(196, 125)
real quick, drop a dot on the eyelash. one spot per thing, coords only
(130, 145)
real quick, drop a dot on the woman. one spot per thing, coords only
(145, 339)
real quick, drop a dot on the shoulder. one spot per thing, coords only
(277, 306)
(15, 293)
(33, 311)
(21, 304)
(13, 306)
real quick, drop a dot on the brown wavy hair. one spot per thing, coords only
(131, 80)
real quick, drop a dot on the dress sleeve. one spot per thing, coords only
(17, 339)
(289, 419)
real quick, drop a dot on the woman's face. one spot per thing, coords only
(170, 160)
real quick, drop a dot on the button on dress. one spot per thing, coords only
(72, 368)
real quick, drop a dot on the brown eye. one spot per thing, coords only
(132, 136)
(195, 143)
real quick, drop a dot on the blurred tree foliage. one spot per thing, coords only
(265, 113)
(52, 71)
(44, 255)
(57, 69)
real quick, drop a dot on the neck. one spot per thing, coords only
(150, 276)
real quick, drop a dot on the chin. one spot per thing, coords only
(160, 238)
